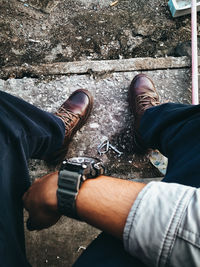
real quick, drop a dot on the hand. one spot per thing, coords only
(41, 202)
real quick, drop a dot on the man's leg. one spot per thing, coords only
(27, 132)
(171, 128)
(174, 130)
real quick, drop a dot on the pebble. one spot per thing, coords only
(94, 125)
(44, 27)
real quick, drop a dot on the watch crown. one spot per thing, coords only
(84, 166)
(98, 165)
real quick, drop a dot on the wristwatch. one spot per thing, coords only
(73, 172)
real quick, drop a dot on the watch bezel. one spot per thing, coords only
(89, 167)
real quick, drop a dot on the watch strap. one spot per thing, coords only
(68, 186)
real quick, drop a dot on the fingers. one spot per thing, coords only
(29, 225)
(41, 202)
(41, 221)
(32, 225)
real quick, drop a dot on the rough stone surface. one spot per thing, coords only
(43, 5)
(110, 118)
(60, 245)
(85, 30)
(95, 67)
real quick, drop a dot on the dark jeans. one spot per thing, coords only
(27, 132)
(174, 129)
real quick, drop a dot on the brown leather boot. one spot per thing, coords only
(74, 112)
(142, 95)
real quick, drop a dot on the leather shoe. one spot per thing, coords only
(142, 95)
(74, 112)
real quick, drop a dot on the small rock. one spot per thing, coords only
(94, 125)
(79, 38)
(44, 27)
(184, 49)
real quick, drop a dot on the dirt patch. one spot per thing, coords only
(87, 30)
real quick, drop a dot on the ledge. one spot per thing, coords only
(88, 67)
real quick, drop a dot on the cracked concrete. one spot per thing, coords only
(60, 245)
(110, 117)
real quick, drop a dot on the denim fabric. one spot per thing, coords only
(25, 132)
(162, 228)
(174, 130)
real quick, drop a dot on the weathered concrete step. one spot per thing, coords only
(60, 245)
(110, 118)
(89, 67)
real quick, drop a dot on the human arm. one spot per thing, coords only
(159, 222)
(103, 202)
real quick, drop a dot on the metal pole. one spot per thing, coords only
(195, 93)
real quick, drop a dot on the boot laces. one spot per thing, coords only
(68, 117)
(145, 101)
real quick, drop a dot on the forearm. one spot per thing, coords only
(105, 202)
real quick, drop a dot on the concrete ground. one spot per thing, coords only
(62, 244)
(46, 48)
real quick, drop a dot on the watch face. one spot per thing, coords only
(81, 160)
(89, 167)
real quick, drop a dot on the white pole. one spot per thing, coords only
(195, 93)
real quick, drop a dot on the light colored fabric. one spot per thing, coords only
(163, 226)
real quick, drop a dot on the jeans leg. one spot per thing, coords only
(25, 132)
(41, 132)
(174, 130)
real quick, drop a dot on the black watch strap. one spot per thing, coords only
(68, 186)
